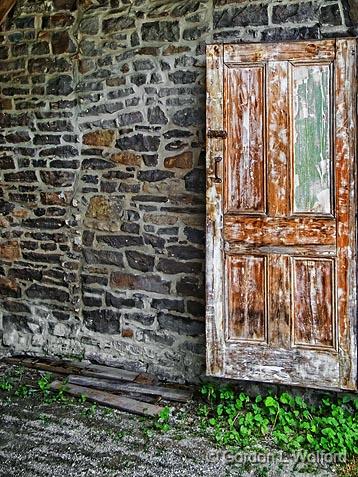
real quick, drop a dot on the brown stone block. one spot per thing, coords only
(61, 43)
(101, 138)
(126, 281)
(20, 213)
(181, 161)
(99, 208)
(169, 188)
(58, 178)
(86, 65)
(6, 104)
(55, 198)
(160, 219)
(10, 250)
(127, 158)
(127, 333)
(4, 223)
(173, 50)
(9, 287)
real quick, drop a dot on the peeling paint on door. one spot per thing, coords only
(311, 95)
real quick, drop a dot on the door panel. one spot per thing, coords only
(271, 52)
(312, 128)
(280, 231)
(247, 298)
(313, 304)
(281, 278)
(279, 302)
(245, 174)
(309, 368)
(278, 139)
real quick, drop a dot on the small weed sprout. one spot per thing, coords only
(5, 383)
(162, 423)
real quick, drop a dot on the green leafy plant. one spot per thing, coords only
(89, 411)
(119, 435)
(49, 396)
(147, 432)
(44, 385)
(237, 419)
(44, 382)
(106, 411)
(162, 423)
(23, 391)
(6, 384)
(82, 399)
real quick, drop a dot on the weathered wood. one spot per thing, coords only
(214, 217)
(298, 367)
(68, 367)
(280, 231)
(232, 248)
(292, 320)
(245, 168)
(312, 129)
(289, 51)
(246, 284)
(346, 184)
(167, 393)
(107, 399)
(313, 304)
(146, 378)
(5, 8)
(110, 372)
(278, 139)
(279, 301)
(34, 363)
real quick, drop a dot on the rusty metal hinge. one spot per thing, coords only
(217, 133)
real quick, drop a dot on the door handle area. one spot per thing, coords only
(216, 177)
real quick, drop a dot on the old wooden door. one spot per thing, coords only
(281, 271)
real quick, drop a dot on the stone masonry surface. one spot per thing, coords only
(102, 158)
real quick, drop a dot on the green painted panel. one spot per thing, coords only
(312, 149)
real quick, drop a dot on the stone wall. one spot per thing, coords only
(102, 160)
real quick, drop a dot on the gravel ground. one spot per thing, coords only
(74, 440)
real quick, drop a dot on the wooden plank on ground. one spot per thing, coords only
(107, 399)
(44, 366)
(107, 372)
(85, 369)
(180, 395)
(142, 397)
